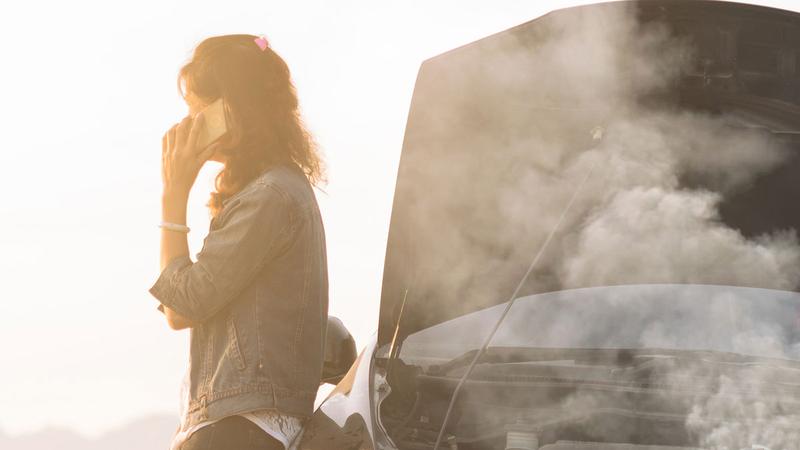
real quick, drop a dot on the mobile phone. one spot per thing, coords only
(214, 124)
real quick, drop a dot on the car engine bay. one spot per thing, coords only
(612, 401)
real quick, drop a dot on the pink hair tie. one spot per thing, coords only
(262, 43)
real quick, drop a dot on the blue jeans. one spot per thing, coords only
(231, 433)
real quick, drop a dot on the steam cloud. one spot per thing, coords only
(635, 220)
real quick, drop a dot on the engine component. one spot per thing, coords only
(521, 436)
(569, 445)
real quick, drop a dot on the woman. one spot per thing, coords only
(256, 299)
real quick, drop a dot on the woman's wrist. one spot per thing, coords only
(173, 205)
(175, 192)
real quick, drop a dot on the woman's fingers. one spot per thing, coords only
(179, 163)
(182, 132)
(197, 125)
(171, 139)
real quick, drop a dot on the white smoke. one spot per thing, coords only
(725, 421)
(672, 236)
(634, 220)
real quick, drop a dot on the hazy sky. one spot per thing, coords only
(90, 88)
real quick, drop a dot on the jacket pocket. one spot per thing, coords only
(233, 344)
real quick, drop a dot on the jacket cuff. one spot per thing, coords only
(164, 287)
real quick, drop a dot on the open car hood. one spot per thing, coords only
(493, 126)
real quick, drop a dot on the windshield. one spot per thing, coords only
(749, 321)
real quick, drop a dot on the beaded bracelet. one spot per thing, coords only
(174, 227)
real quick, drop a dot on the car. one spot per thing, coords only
(593, 242)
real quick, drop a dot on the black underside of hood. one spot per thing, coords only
(463, 229)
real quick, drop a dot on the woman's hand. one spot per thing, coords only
(181, 160)
(177, 321)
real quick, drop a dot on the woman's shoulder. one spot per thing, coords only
(280, 187)
(289, 181)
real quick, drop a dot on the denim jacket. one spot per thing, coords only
(259, 294)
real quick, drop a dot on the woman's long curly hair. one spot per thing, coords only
(264, 124)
